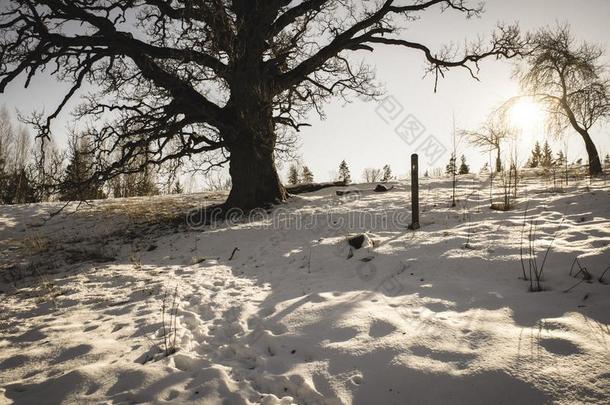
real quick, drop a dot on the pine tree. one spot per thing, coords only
(464, 168)
(293, 174)
(344, 174)
(607, 160)
(547, 156)
(76, 185)
(426, 174)
(307, 175)
(560, 159)
(535, 159)
(451, 168)
(387, 174)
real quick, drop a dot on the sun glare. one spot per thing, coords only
(527, 115)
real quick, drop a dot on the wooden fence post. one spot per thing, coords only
(414, 192)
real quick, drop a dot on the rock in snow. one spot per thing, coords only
(357, 241)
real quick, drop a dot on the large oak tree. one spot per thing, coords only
(179, 78)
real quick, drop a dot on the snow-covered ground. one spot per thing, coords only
(436, 316)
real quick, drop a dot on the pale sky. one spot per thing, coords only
(356, 133)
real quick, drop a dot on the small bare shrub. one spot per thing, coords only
(371, 175)
(582, 271)
(169, 331)
(536, 271)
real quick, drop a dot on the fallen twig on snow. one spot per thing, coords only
(601, 278)
(233, 253)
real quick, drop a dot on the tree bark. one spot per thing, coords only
(251, 144)
(595, 164)
(498, 160)
(255, 182)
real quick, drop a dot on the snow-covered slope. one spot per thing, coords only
(434, 316)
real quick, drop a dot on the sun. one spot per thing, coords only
(527, 115)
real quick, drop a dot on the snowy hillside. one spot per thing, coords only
(293, 315)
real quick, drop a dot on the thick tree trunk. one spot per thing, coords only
(251, 144)
(255, 182)
(250, 135)
(595, 164)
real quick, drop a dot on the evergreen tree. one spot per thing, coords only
(307, 175)
(464, 168)
(387, 174)
(451, 168)
(535, 159)
(344, 174)
(561, 159)
(547, 155)
(426, 174)
(607, 160)
(485, 168)
(76, 185)
(293, 174)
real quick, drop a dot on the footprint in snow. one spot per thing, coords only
(118, 327)
(315, 297)
(343, 334)
(381, 328)
(460, 360)
(560, 346)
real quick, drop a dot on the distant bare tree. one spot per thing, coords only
(490, 136)
(371, 175)
(570, 79)
(217, 181)
(22, 143)
(224, 77)
(6, 134)
(16, 185)
(6, 140)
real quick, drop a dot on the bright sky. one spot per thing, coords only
(356, 133)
